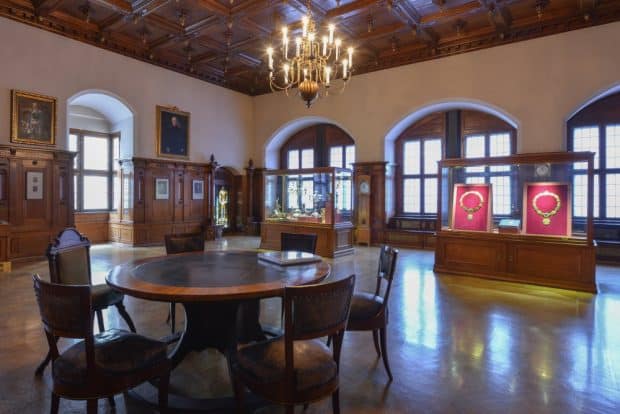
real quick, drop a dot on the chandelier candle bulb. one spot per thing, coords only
(285, 68)
(328, 72)
(350, 50)
(338, 43)
(298, 45)
(331, 28)
(324, 45)
(270, 54)
(345, 63)
(304, 22)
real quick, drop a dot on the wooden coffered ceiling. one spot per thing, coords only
(224, 41)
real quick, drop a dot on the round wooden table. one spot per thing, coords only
(211, 286)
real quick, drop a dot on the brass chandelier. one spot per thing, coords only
(312, 64)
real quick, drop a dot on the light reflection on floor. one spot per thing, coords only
(456, 345)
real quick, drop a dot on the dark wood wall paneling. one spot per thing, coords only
(144, 220)
(28, 225)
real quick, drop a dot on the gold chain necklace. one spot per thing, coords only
(471, 210)
(546, 215)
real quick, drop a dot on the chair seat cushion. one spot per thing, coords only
(104, 296)
(117, 352)
(364, 306)
(264, 362)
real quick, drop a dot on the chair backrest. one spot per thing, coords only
(184, 242)
(69, 258)
(300, 242)
(66, 312)
(387, 267)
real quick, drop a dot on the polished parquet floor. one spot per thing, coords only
(457, 345)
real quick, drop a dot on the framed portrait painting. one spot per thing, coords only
(162, 189)
(33, 118)
(198, 190)
(172, 132)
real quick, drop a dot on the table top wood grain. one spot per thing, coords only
(210, 276)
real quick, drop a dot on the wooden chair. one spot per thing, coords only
(182, 243)
(369, 311)
(69, 264)
(300, 242)
(98, 366)
(297, 368)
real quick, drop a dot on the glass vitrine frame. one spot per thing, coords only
(521, 167)
(331, 201)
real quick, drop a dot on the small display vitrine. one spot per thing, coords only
(524, 218)
(311, 201)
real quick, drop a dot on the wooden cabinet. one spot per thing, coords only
(332, 240)
(559, 263)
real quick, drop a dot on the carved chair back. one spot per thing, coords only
(315, 311)
(66, 312)
(69, 258)
(299, 242)
(385, 272)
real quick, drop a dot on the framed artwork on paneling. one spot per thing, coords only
(162, 189)
(33, 118)
(172, 132)
(198, 189)
(34, 185)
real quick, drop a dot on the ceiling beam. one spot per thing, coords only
(120, 6)
(214, 7)
(350, 9)
(381, 32)
(450, 13)
(43, 8)
(409, 15)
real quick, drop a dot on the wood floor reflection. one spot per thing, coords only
(456, 345)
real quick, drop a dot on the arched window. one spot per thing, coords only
(476, 134)
(321, 145)
(596, 128)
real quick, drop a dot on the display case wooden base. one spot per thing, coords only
(567, 263)
(332, 240)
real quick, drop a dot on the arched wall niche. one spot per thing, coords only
(116, 111)
(286, 131)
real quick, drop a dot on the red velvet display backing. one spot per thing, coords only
(560, 222)
(481, 218)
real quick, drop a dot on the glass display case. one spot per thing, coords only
(512, 217)
(318, 195)
(311, 201)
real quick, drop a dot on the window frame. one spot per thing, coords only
(601, 171)
(487, 173)
(401, 176)
(80, 172)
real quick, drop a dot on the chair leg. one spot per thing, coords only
(238, 390)
(55, 404)
(290, 409)
(375, 338)
(91, 406)
(100, 320)
(111, 401)
(125, 316)
(164, 381)
(173, 316)
(43, 364)
(336, 402)
(329, 341)
(384, 353)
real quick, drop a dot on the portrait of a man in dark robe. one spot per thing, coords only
(174, 133)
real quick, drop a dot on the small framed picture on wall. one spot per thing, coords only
(198, 189)
(162, 189)
(34, 185)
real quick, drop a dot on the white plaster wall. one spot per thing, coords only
(538, 83)
(38, 61)
(81, 117)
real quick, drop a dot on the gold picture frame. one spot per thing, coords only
(33, 118)
(173, 127)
